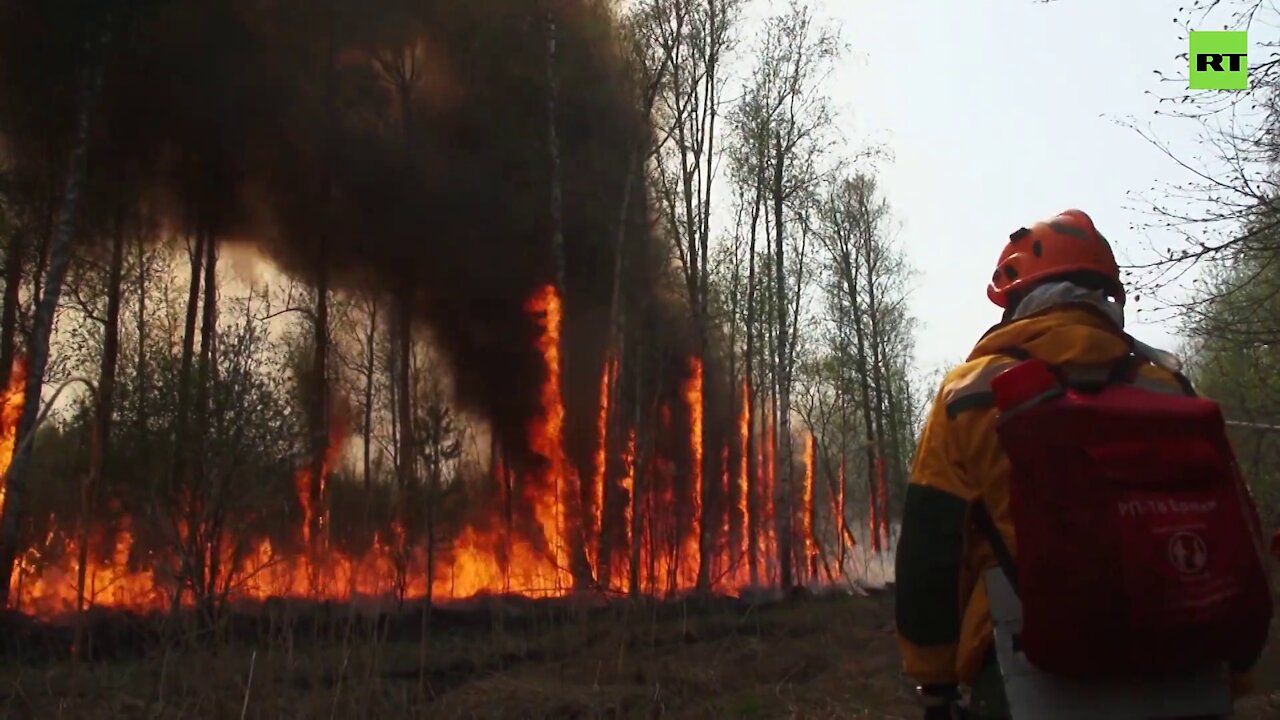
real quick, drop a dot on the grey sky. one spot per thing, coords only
(999, 113)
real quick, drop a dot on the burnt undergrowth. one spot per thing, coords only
(110, 635)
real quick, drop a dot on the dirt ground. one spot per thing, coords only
(823, 657)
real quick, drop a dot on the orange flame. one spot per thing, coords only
(546, 437)
(839, 511)
(724, 494)
(532, 557)
(302, 482)
(693, 396)
(628, 488)
(744, 505)
(767, 476)
(806, 512)
(10, 413)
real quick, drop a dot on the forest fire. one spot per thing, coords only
(661, 519)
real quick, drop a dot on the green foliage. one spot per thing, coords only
(1236, 359)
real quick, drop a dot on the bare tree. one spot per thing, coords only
(697, 36)
(60, 257)
(783, 141)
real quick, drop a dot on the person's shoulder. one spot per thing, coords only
(968, 386)
(1163, 367)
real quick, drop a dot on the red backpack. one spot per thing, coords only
(1140, 552)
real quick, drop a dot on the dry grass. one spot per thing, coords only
(831, 657)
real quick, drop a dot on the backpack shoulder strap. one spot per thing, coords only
(987, 526)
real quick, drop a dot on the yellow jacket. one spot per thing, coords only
(943, 621)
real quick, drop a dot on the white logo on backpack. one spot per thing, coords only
(1188, 553)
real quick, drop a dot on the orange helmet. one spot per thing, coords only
(1066, 243)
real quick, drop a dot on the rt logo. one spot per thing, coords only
(1219, 60)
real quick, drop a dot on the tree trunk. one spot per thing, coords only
(868, 423)
(553, 149)
(209, 519)
(181, 436)
(571, 494)
(706, 545)
(370, 369)
(100, 441)
(753, 505)
(404, 406)
(321, 409)
(9, 315)
(637, 480)
(784, 458)
(15, 510)
(204, 369)
(141, 385)
(319, 405)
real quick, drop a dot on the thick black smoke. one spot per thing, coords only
(397, 146)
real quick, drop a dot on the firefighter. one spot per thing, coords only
(1060, 290)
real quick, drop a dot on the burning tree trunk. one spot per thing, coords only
(638, 486)
(753, 508)
(42, 328)
(809, 511)
(571, 492)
